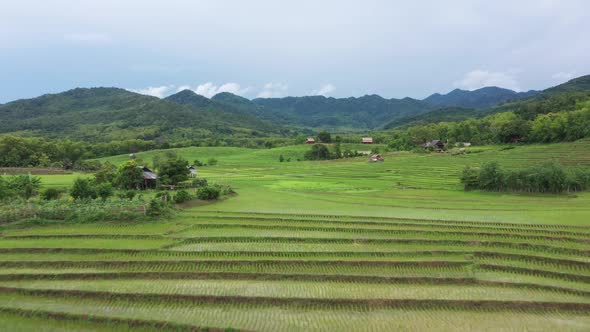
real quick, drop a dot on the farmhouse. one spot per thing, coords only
(376, 158)
(436, 144)
(192, 170)
(367, 140)
(149, 178)
(310, 140)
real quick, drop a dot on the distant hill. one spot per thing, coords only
(367, 112)
(188, 97)
(103, 114)
(445, 114)
(481, 98)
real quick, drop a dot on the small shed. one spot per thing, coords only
(149, 178)
(436, 144)
(310, 140)
(192, 171)
(376, 158)
(367, 140)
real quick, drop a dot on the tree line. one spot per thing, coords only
(545, 121)
(545, 178)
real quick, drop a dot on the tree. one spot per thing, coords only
(318, 152)
(281, 158)
(208, 193)
(337, 151)
(83, 189)
(104, 191)
(129, 175)
(26, 186)
(491, 177)
(174, 171)
(106, 173)
(324, 137)
(50, 194)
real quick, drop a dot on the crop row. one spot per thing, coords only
(309, 289)
(456, 316)
(278, 216)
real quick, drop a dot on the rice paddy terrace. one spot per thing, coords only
(330, 246)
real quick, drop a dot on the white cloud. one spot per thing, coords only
(209, 89)
(156, 91)
(563, 76)
(88, 38)
(478, 78)
(324, 90)
(273, 90)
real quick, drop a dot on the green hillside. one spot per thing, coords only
(104, 114)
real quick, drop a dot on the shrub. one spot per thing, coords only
(83, 189)
(25, 186)
(104, 190)
(198, 163)
(157, 207)
(199, 182)
(318, 152)
(182, 196)
(208, 193)
(130, 194)
(50, 194)
(212, 162)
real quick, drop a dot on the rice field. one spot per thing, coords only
(317, 246)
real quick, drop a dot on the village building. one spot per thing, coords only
(192, 171)
(436, 145)
(367, 140)
(376, 158)
(310, 140)
(150, 178)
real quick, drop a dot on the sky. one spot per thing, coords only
(260, 48)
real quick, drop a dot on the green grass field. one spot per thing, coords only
(341, 245)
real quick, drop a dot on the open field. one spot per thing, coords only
(330, 246)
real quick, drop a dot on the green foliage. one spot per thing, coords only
(129, 194)
(182, 196)
(128, 176)
(106, 173)
(208, 193)
(157, 207)
(24, 186)
(281, 158)
(212, 162)
(105, 190)
(199, 182)
(50, 194)
(324, 137)
(173, 171)
(318, 152)
(544, 178)
(84, 189)
(198, 163)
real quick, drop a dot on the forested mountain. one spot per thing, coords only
(370, 111)
(361, 113)
(481, 98)
(445, 114)
(104, 114)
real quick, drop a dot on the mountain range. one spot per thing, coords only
(104, 114)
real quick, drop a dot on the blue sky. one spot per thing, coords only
(278, 48)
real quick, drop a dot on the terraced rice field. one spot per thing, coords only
(329, 246)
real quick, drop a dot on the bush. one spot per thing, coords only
(25, 186)
(83, 189)
(212, 162)
(198, 163)
(199, 182)
(157, 207)
(105, 190)
(208, 193)
(182, 196)
(50, 194)
(130, 194)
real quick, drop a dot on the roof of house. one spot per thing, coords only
(311, 139)
(148, 174)
(367, 139)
